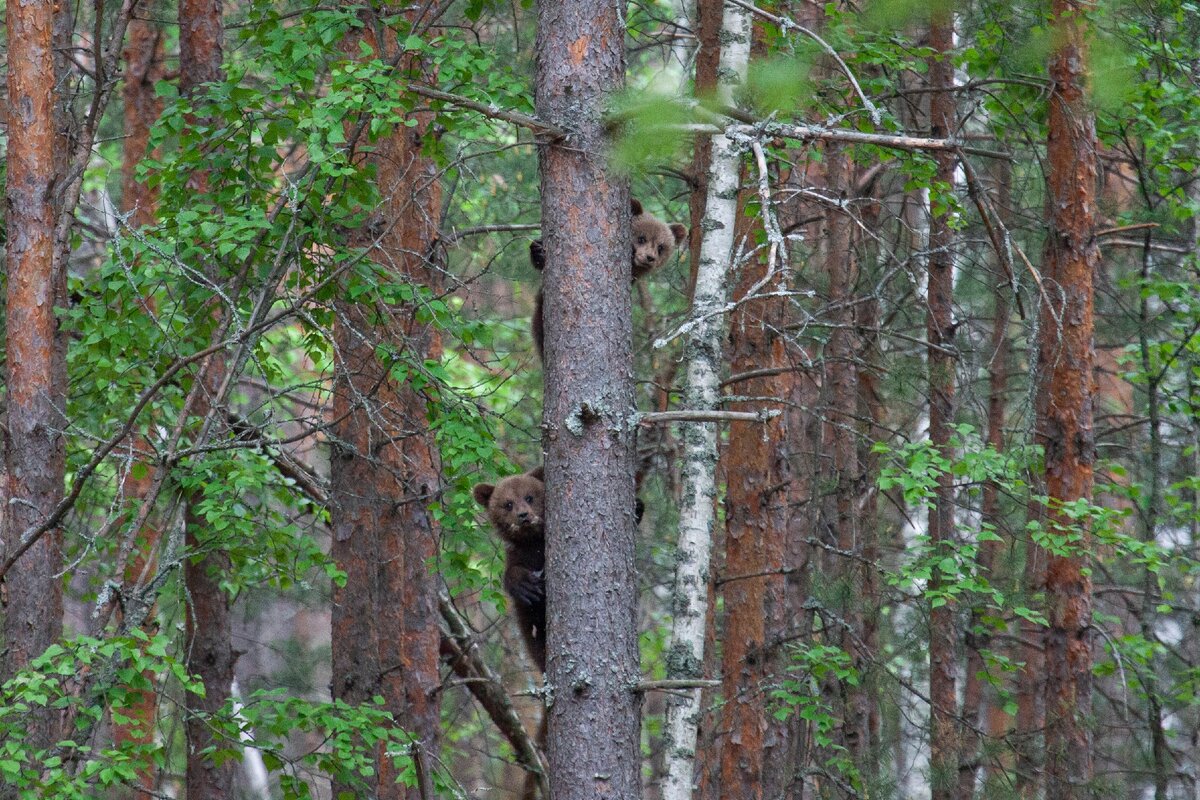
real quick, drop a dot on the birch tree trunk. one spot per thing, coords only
(685, 651)
(592, 659)
(33, 446)
(1064, 405)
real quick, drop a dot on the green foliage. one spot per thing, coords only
(816, 672)
(81, 679)
(653, 129)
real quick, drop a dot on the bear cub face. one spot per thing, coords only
(653, 240)
(515, 506)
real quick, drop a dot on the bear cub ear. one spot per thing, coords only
(680, 232)
(635, 208)
(483, 493)
(539, 473)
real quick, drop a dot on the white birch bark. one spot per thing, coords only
(697, 516)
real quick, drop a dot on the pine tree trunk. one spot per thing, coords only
(1064, 405)
(209, 647)
(758, 480)
(979, 711)
(33, 445)
(844, 473)
(943, 636)
(143, 57)
(587, 435)
(384, 468)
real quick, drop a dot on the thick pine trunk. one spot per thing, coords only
(587, 431)
(384, 467)
(943, 636)
(1064, 405)
(34, 455)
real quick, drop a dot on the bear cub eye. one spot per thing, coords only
(508, 506)
(641, 240)
(529, 499)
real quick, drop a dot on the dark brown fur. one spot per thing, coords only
(515, 508)
(653, 243)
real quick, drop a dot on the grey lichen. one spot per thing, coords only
(682, 663)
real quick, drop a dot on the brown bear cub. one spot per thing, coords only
(653, 243)
(515, 507)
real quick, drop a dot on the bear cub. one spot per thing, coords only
(653, 243)
(515, 508)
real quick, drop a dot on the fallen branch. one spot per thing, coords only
(460, 652)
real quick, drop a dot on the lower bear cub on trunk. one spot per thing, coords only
(515, 508)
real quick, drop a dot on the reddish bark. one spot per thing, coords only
(34, 455)
(591, 591)
(756, 516)
(385, 469)
(1064, 404)
(142, 106)
(210, 654)
(143, 68)
(943, 664)
(843, 472)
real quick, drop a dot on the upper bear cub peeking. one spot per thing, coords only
(515, 507)
(653, 243)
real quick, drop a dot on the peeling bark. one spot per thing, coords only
(1064, 404)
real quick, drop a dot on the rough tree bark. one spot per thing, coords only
(1064, 404)
(384, 469)
(587, 416)
(697, 513)
(209, 647)
(34, 455)
(939, 324)
(758, 477)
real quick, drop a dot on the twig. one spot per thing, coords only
(659, 417)
(786, 24)
(1126, 228)
(453, 237)
(668, 685)
(819, 132)
(515, 117)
